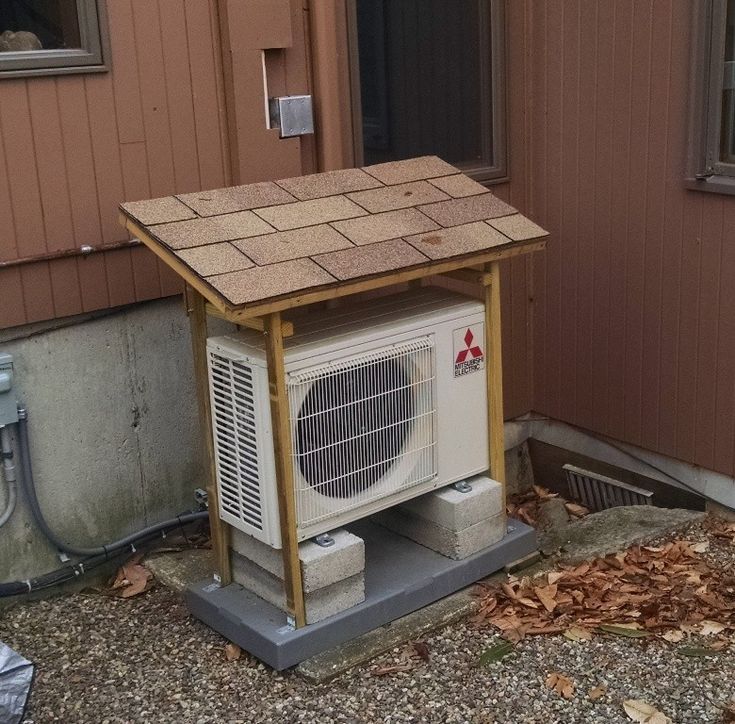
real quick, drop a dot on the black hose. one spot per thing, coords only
(66, 573)
(107, 550)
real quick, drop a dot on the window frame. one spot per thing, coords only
(92, 57)
(707, 172)
(494, 170)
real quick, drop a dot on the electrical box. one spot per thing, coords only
(8, 403)
(293, 115)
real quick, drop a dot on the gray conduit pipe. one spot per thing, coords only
(6, 450)
(26, 480)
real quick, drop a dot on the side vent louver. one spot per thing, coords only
(235, 439)
(598, 492)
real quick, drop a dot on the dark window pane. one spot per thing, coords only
(38, 24)
(728, 92)
(425, 72)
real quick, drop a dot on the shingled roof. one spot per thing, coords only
(264, 240)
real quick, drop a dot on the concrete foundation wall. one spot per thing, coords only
(113, 428)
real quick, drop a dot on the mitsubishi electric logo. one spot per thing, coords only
(468, 354)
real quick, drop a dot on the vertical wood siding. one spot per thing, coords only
(634, 312)
(73, 147)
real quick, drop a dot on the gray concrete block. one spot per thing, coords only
(258, 552)
(454, 510)
(320, 566)
(452, 544)
(320, 603)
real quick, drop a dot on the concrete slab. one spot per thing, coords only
(331, 663)
(615, 529)
(180, 569)
(400, 577)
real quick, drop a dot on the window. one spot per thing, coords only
(428, 75)
(727, 133)
(714, 135)
(38, 37)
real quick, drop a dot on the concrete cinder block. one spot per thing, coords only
(452, 544)
(454, 510)
(320, 566)
(320, 603)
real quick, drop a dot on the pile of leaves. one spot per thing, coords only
(667, 590)
(526, 506)
(721, 529)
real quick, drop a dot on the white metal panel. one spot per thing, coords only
(243, 448)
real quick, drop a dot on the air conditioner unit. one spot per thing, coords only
(387, 401)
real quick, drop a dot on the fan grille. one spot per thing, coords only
(363, 428)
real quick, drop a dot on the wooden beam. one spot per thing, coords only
(259, 309)
(256, 323)
(282, 447)
(494, 370)
(219, 530)
(470, 276)
(171, 260)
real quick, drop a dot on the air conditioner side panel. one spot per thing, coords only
(224, 391)
(461, 403)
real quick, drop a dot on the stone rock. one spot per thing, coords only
(615, 529)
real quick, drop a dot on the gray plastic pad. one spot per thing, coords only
(400, 577)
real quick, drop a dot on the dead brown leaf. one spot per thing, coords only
(384, 670)
(577, 633)
(232, 651)
(640, 711)
(669, 590)
(132, 578)
(561, 684)
(728, 713)
(576, 510)
(597, 693)
(544, 493)
(710, 628)
(422, 650)
(547, 596)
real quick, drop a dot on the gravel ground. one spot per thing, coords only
(103, 659)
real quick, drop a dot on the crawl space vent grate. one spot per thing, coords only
(598, 492)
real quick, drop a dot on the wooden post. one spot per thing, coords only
(284, 471)
(494, 369)
(219, 531)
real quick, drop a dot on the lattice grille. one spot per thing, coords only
(598, 492)
(363, 428)
(235, 439)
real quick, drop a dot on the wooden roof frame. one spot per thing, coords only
(480, 267)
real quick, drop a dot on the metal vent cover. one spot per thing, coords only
(598, 492)
(235, 439)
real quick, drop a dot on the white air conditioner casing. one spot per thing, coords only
(387, 401)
